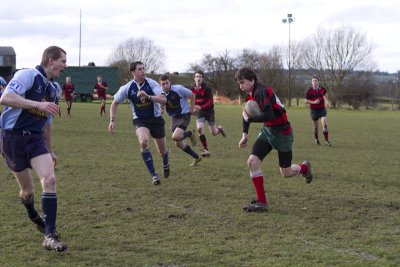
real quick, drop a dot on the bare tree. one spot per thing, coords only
(219, 71)
(271, 69)
(249, 58)
(141, 49)
(333, 54)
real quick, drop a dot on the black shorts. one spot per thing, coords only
(156, 126)
(316, 114)
(19, 147)
(261, 149)
(206, 115)
(181, 121)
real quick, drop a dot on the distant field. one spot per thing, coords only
(111, 215)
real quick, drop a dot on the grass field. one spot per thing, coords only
(110, 214)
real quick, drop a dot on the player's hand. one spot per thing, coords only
(54, 157)
(243, 141)
(317, 101)
(197, 107)
(49, 107)
(245, 115)
(111, 127)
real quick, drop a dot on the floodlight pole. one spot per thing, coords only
(289, 20)
(80, 35)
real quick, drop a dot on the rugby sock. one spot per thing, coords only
(203, 141)
(258, 182)
(49, 206)
(148, 160)
(190, 151)
(303, 168)
(316, 135)
(165, 159)
(30, 207)
(325, 132)
(187, 134)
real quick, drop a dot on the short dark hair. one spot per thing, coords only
(199, 72)
(53, 52)
(164, 77)
(133, 65)
(315, 77)
(246, 73)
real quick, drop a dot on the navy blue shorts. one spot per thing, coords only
(181, 121)
(206, 115)
(156, 126)
(317, 113)
(19, 147)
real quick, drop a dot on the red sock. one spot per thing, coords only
(303, 168)
(326, 135)
(258, 183)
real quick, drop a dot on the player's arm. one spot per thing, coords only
(17, 101)
(326, 99)
(209, 99)
(267, 112)
(158, 98)
(113, 113)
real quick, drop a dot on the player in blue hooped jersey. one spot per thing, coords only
(29, 100)
(178, 108)
(144, 95)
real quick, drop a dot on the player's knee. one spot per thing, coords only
(49, 181)
(25, 195)
(253, 162)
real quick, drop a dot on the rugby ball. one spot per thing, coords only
(252, 109)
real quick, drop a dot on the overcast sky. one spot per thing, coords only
(186, 29)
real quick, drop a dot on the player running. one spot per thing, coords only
(100, 88)
(68, 90)
(204, 106)
(276, 133)
(316, 97)
(177, 107)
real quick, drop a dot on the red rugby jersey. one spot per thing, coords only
(314, 94)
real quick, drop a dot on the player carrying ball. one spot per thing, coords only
(276, 133)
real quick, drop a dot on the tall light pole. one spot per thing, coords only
(289, 20)
(80, 35)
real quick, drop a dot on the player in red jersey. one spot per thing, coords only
(204, 106)
(68, 90)
(276, 133)
(317, 99)
(100, 88)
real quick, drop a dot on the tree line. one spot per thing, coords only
(341, 57)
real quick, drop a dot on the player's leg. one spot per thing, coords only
(324, 122)
(157, 131)
(69, 106)
(43, 166)
(200, 124)
(288, 170)
(26, 194)
(14, 149)
(103, 106)
(161, 144)
(259, 151)
(316, 139)
(143, 136)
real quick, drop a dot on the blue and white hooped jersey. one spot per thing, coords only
(176, 100)
(30, 84)
(142, 107)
